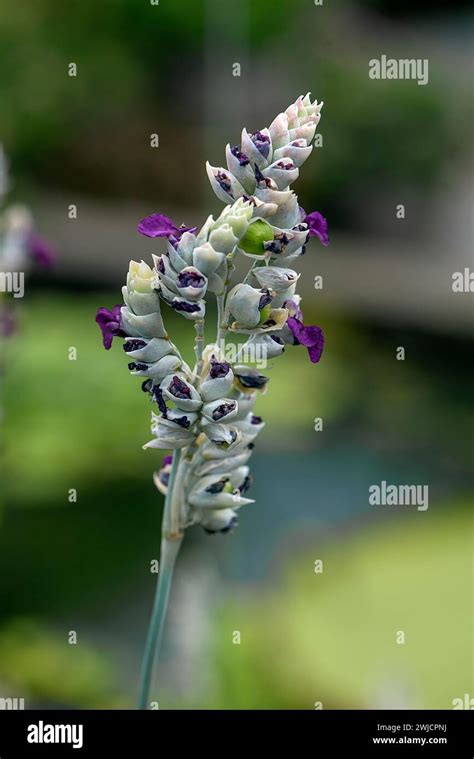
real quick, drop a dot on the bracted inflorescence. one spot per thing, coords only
(208, 412)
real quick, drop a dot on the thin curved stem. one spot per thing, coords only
(170, 546)
(198, 345)
(221, 326)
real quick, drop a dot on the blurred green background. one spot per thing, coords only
(307, 638)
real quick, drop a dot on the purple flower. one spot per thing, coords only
(110, 324)
(40, 250)
(158, 225)
(167, 460)
(317, 226)
(311, 337)
(293, 309)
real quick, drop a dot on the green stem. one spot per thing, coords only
(221, 327)
(198, 345)
(170, 545)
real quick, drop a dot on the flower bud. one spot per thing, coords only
(148, 325)
(223, 410)
(184, 395)
(191, 284)
(140, 277)
(217, 380)
(156, 371)
(206, 259)
(276, 277)
(223, 239)
(186, 246)
(269, 345)
(189, 310)
(288, 210)
(283, 172)
(223, 436)
(168, 435)
(250, 427)
(222, 520)
(258, 233)
(216, 492)
(225, 185)
(248, 379)
(240, 479)
(298, 151)
(258, 147)
(147, 350)
(237, 215)
(184, 419)
(223, 465)
(239, 165)
(245, 400)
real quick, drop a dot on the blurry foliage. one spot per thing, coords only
(142, 68)
(41, 667)
(331, 637)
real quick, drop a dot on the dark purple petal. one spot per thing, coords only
(167, 460)
(293, 309)
(261, 142)
(278, 244)
(241, 157)
(157, 225)
(158, 396)
(316, 351)
(223, 410)
(41, 250)
(182, 421)
(257, 381)
(260, 179)
(317, 226)
(265, 299)
(133, 345)
(217, 487)
(191, 279)
(110, 324)
(224, 182)
(179, 389)
(311, 337)
(187, 308)
(218, 369)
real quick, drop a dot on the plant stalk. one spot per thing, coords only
(170, 545)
